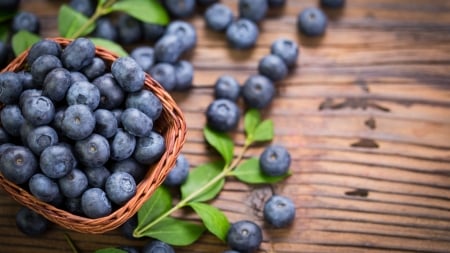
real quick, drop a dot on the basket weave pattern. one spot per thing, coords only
(171, 124)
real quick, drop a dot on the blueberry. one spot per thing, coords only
(25, 129)
(222, 115)
(164, 74)
(4, 147)
(93, 151)
(4, 136)
(276, 3)
(184, 73)
(332, 3)
(78, 76)
(168, 48)
(286, 49)
(275, 160)
(97, 176)
(11, 119)
(43, 187)
(185, 32)
(78, 54)
(73, 184)
(18, 164)
(146, 101)
(10, 87)
(30, 222)
(27, 80)
(85, 7)
(227, 87)
(242, 34)
(258, 91)
(128, 73)
(218, 17)
(43, 47)
(157, 247)
(129, 29)
(42, 66)
(95, 203)
(149, 149)
(178, 173)
(312, 22)
(25, 21)
(38, 110)
(152, 32)
(57, 161)
(272, 67)
(73, 205)
(117, 113)
(144, 56)
(84, 93)
(105, 29)
(111, 94)
(105, 123)
(253, 10)
(78, 122)
(9, 5)
(130, 166)
(279, 211)
(244, 236)
(120, 187)
(122, 145)
(95, 69)
(180, 8)
(56, 84)
(136, 122)
(40, 138)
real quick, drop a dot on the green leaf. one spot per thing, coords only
(199, 177)
(159, 203)
(221, 142)
(149, 11)
(251, 120)
(215, 221)
(264, 131)
(71, 22)
(23, 40)
(110, 250)
(175, 232)
(250, 172)
(110, 46)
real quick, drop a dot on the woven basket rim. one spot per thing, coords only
(173, 130)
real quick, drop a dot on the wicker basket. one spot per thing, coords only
(171, 125)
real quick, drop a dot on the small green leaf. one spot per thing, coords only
(109, 45)
(264, 131)
(23, 40)
(110, 250)
(71, 22)
(159, 203)
(251, 120)
(250, 172)
(215, 221)
(175, 232)
(199, 177)
(221, 142)
(149, 11)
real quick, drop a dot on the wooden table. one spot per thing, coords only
(365, 115)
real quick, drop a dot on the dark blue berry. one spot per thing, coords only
(272, 67)
(38, 110)
(73, 184)
(312, 22)
(105, 29)
(168, 48)
(144, 56)
(332, 3)
(93, 151)
(18, 164)
(129, 29)
(185, 32)
(276, 3)
(84, 93)
(11, 119)
(178, 173)
(78, 54)
(85, 7)
(4, 147)
(25, 21)
(254, 10)
(57, 161)
(287, 50)
(152, 32)
(130, 166)
(25, 129)
(244, 236)
(146, 101)
(164, 74)
(258, 91)
(127, 229)
(73, 205)
(279, 211)
(218, 17)
(95, 203)
(120, 187)
(222, 115)
(128, 73)
(27, 80)
(97, 176)
(122, 145)
(40, 138)
(56, 84)
(30, 222)
(242, 34)
(136, 122)
(78, 122)
(42, 66)
(157, 247)
(275, 160)
(227, 87)
(111, 94)
(184, 73)
(105, 123)
(43, 47)
(180, 8)
(149, 149)
(43, 187)
(95, 69)
(10, 87)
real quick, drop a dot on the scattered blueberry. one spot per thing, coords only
(25, 21)
(218, 17)
(227, 87)
(111, 94)
(168, 48)
(93, 151)
(43, 187)
(120, 187)
(272, 67)
(287, 50)
(146, 101)
(95, 69)
(85, 7)
(144, 56)
(122, 145)
(38, 110)
(180, 8)
(18, 164)
(332, 3)
(78, 54)
(184, 73)
(56, 84)
(95, 203)
(97, 176)
(40, 138)
(242, 34)
(30, 222)
(152, 32)
(57, 161)
(128, 73)
(105, 29)
(157, 247)
(42, 66)
(275, 160)
(10, 87)
(222, 115)
(43, 47)
(258, 91)
(73, 184)
(244, 236)
(185, 32)
(179, 172)
(130, 166)
(11, 119)
(279, 211)
(84, 93)
(105, 123)
(312, 22)
(129, 29)
(78, 122)
(150, 148)
(253, 10)
(164, 74)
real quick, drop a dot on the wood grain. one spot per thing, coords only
(365, 115)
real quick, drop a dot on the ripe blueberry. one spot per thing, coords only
(128, 73)
(95, 203)
(105, 29)
(122, 145)
(56, 84)
(95, 69)
(185, 32)
(129, 29)
(136, 122)
(179, 172)
(38, 110)
(272, 67)
(42, 66)
(275, 160)
(78, 122)
(25, 21)
(168, 48)
(85, 7)
(184, 73)
(30, 222)
(105, 123)
(218, 17)
(180, 8)
(150, 148)
(244, 236)
(11, 118)
(164, 74)
(130, 166)
(97, 176)
(43, 187)
(152, 32)
(73, 184)
(242, 34)
(279, 211)
(78, 54)
(111, 94)
(253, 10)
(145, 101)
(144, 56)
(84, 93)
(258, 91)
(227, 87)
(57, 161)
(17, 164)
(93, 151)
(222, 115)
(312, 22)
(43, 47)
(40, 138)
(10, 87)
(286, 49)
(157, 247)
(120, 187)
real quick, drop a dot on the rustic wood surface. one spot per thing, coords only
(365, 115)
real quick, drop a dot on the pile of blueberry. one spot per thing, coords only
(75, 132)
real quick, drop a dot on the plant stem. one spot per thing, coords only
(71, 245)
(100, 11)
